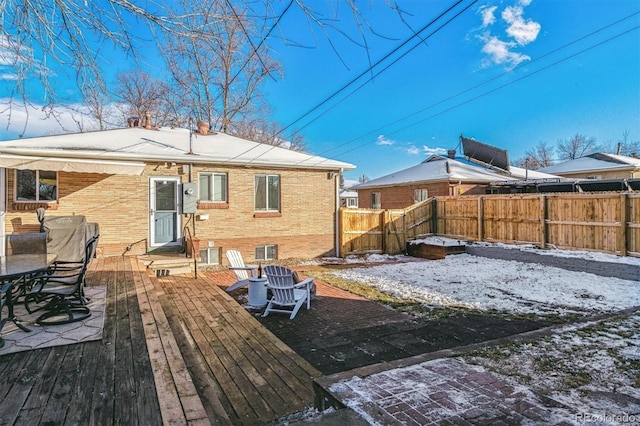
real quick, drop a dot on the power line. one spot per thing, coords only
(551, 52)
(499, 87)
(385, 57)
(415, 34)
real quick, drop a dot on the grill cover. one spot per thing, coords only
(67, 235)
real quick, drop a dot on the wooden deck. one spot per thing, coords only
(175, 350)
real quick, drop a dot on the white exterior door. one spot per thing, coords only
(164, 211)
(3, 208)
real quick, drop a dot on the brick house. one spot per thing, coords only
(436, 176)
(599, 166)
(149, 188)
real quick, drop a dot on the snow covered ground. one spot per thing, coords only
(591, 369)
(501, 285)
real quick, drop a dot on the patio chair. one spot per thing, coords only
(286, 296)
(62, 288)
(242, 271)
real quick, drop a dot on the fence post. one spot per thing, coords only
(623, 224)
(434, 216)
(544, 236)
(480, 218)
(384, 226)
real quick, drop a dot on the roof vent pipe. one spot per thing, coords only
(451, 153)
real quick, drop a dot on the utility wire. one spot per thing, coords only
(496, 89)
(377, 130)
(378, 62)
(370, 68)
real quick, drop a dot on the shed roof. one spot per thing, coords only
(152, 145)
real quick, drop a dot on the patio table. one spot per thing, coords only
(14, 270)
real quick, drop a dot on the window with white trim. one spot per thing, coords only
(266, 252)
(352, 202)
(212, 187)
(420, 195)
(267, 193)
(36, 185)
(375, 200)
(210, 255)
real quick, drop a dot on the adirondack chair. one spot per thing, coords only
(242, 271)
(287, 296)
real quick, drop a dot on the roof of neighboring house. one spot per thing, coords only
(442, 169)
(136, 145)
(598, 162)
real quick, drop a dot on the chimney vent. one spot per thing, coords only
(147, 120)
(203, 128)
(451, 153)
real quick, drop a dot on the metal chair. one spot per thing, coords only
(63, 291)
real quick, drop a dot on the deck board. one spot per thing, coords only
(174, 350)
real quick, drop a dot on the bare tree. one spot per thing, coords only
(217, 67)
(140, 93)
(536, 157)
(627, 147)
(263, 131)
(578, 146)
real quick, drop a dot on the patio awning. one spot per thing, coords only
(78, 165)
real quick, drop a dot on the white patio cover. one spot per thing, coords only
(79, 165)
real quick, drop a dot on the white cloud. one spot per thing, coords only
(499, 52)
(38, 120)
(433, 151)
(518, 31)
(382, 140)
(8, 77)
(413, 150)
(522, 30)
(488, 17)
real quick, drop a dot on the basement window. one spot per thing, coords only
(266, 252)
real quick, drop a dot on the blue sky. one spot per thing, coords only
(497, 73)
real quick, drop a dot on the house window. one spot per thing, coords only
(267, 252)
(352, 202)
(210, 256)
(594, 177)
(212, 187)
(375, 200)
(36, 185)
(267, 193)
(420, 195)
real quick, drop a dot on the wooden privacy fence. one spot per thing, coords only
(607, 222)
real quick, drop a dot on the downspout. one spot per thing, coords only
(337, 225)
(3, 207)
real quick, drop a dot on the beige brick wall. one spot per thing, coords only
(120, 205)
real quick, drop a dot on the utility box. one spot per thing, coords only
(189, 198)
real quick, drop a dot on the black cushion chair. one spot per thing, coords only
(62, 289)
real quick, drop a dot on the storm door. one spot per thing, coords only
(164, 212)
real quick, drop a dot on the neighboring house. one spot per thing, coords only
(437, 176)
(349, 197)
(147, 188)
(598, 166)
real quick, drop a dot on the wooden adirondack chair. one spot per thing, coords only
(242, 271)
(287, 296)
